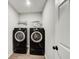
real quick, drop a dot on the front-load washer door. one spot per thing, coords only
(36, 37)
(19, 36)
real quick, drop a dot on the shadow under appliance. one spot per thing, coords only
(20, 40)
(37, 41)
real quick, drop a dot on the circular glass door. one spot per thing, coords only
(19, 36)
(36, 36)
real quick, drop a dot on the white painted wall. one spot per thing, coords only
(12, 22)
(49, 20)
(29, 17)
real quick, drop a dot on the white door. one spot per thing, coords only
(62, 33)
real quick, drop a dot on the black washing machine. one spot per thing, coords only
(20, 40)
(37, 41)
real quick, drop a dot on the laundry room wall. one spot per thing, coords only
(29, 17)
(49, 25)
(12, 22)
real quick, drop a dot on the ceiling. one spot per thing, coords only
(22, 6)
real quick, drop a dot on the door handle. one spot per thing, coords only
(55, 48)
